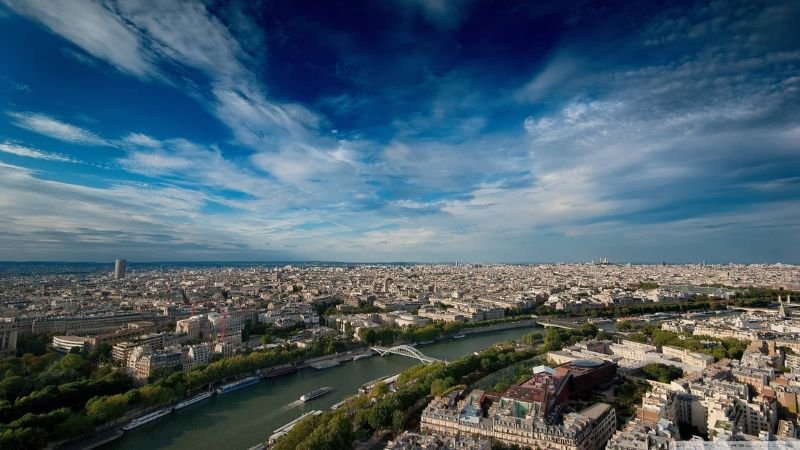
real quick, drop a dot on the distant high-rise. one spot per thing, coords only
(119, 269)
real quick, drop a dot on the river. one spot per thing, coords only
(248, 416)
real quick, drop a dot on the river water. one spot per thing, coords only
(248, 416)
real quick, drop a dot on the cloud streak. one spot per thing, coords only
(54, 128)
(27, 152)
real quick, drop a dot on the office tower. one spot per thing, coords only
(119, 269)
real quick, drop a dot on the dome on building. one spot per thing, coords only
(587, 363)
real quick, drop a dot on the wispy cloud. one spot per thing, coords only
(54, 128)
(92, 27)
(20, 150)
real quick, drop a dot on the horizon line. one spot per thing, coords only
(447, 262)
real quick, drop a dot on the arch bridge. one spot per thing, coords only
(405, 350)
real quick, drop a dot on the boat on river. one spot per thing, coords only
(325, 364)
(316, 393)
(193, 400)
(230, 387)
(147, 418)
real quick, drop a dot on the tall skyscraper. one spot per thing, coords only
(119, 269)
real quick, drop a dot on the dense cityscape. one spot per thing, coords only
(614, 356)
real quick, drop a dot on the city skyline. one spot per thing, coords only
(399, 131)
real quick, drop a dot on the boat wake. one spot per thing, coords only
(294, 404)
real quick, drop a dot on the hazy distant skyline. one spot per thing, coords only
(400, 130)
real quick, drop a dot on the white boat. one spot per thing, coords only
(459, 336)
(598, 320)
(362, 356)
(316, 393)
(147, 418)
(193, 400)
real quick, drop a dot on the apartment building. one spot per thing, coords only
(8, 336)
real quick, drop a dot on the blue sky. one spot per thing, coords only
(400, 130)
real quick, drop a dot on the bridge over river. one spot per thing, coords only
(405, 350)
(558, 324)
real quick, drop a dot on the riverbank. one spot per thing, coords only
(501, 327)
(244, 418)
(325, 362)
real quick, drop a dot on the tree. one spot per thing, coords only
(624, 325)
(603, 335)
(379, 390)
(70, 363)
(662, 372)
(439, 386)
(381, 414)
(348, 330)
(398, 420)
(638, 337)
(298, 433)
(532, 337)
(101, 353)
(35, 344)
(11, 387)
(106, 408)
(588, 329)
(552, 340)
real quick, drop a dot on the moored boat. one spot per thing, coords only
(598, 320)
(325, 364)
(230, 387)
(147, 418)
(277, 371)
(193, 400)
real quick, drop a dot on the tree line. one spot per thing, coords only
(47, 398)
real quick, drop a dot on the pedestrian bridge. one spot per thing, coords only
(406, 350)
(557, 325)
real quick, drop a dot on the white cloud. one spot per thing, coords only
(141, 140)
(185, 32)
(547, 81)
(195, 165)
(19, 150)
(140, 37)
(299, 164)
(54, 128)
(92, 27)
